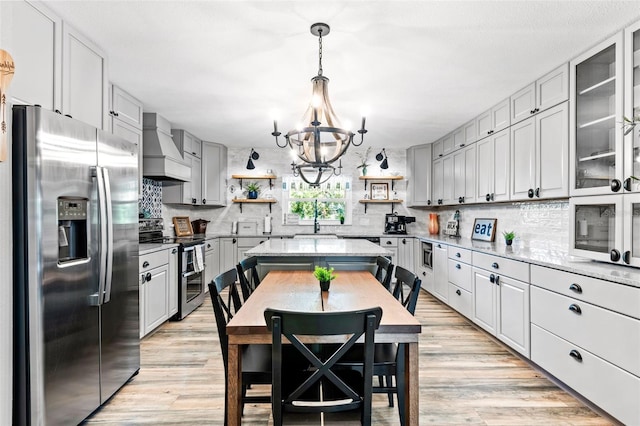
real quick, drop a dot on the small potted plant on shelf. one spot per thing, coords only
(325, 276)
(508, 237)
(252, 190)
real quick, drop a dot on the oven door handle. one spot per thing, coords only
(188, 274)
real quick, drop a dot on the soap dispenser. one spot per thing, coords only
(267, 224)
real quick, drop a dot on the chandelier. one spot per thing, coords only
(320, 140)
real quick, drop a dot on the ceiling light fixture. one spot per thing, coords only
(315, 145)
(379, 157)
(253, 155)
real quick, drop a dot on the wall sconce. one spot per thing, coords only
(380, 156)
(252, 156)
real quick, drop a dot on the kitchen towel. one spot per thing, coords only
(198, 261)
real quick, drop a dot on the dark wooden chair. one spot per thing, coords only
(248, 275)
(384, 271)
(389, 357)
(256, 359)
(338, 392)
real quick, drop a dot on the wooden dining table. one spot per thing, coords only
(300, 291)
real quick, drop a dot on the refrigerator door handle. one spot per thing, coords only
(109, 235)
(96, 299)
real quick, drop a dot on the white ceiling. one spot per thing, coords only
(421, 68)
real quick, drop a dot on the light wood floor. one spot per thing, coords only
(466, 377)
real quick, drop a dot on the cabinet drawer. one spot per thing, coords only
(460, 254)
(609, 295)
(460, 274)
(251, 242)
(607, 334)
(389, 242)
(461, 300)
(210, 245)
(153, 260)
(611, 388)
(501, 265)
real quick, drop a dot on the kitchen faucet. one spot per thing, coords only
(316, 224)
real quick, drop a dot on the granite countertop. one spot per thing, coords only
(317, 247)
(147, 248)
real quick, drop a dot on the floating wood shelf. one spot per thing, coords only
(241, 201)
(392, 202)
(391, 178)
(255, 177)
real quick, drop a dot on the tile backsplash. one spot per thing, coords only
(150, 205)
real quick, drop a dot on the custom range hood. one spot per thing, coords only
(161, 158)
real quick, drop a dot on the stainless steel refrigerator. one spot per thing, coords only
(76, 319)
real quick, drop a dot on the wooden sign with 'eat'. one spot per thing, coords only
(7, 68)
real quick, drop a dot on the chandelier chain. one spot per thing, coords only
(320, 52)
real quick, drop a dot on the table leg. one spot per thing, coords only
(234, 385)
(412, 391)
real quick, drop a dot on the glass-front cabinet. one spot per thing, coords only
(606, 228)
(596, 119)
(631, 128)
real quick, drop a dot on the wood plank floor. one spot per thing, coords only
(466, 377)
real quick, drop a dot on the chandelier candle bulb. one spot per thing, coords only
(275, 126)
(363, 120)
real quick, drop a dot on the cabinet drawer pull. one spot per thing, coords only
(492, 278)
(495, 265)
(389, 242)
(575, 308)
(575, 355)
(575, 287)
(174, 251)
(626, 257)
(614, 255)
(458, 266)
(458, 292)
(627, 184)
(458, 254)
(147, 277)
(424, 274)
(616, 185)
(145, 264)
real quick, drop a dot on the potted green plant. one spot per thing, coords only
(325, 276)
(508, 237)
(252, 190)
(341, 218)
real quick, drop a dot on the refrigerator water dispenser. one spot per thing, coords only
(72, 229)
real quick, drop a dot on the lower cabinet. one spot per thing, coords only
(211, 261)
(173, 281)
(405, 253)
(440, 272)
(391, 244)
(228, 253)
(500, 302)
(158, 288)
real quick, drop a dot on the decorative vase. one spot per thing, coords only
(508, 242)
(324, 285)
(252, 195)
(342, 221)
(364, 171)
(433, 223)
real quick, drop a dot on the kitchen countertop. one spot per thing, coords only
(147, 248)
(321, 247)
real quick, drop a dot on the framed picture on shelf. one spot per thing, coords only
(484, 229)
(379, 191)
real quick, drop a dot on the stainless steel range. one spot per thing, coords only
(191, 285)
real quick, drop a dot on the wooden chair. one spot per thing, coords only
(248, 274)
(256, 359)
(389, 357)
(321, 379)
(384, 271)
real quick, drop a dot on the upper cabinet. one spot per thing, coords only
(214, 172)
(541, 95)
(596, 119)
(492, 158)
(448, 144)
(419, 176)
(436, 149)
(494, 120)
(632, 109)
(84, 79)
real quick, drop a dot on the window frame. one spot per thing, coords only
(287, 199)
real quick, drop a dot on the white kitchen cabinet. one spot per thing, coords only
(448, 185)
(247, 243)
(470, 135)
(606, 228)
(424, 273)
(493, 120)
(211, 260)
(440, 272)
(539, 155)
(540, 95)
(501, 301)
(214, 174)
(437, 189)
(460, 280)
(154, 290)
(228, 253)
(464, 175)
(419, 176)
(596, 133)
(85, 94)
(391, 244)
(458, 138)
(448, 144)
(35, 45)
(493, 167)
(437, 149)
(405, 253)
(173, 288)
(632, 107)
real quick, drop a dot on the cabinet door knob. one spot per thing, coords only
(575, 308)
(538, 192)
(458, 292)
(492, 279)
(234, 241)
(626, 257)
(174, 251)
(575, 287)
(616, 185)
(575, 355)
(532, 112)
(495, 265)
(488, 197)
(615, 255)
(404, 241)
(204, 201)
(193, 201)
(497, 279)
(389, 242)
(208, 246)
(458, 266)
(492, 196)
(461, 145)
(428, 202)
(458, 254)
(627, 184)
(148, 276)
(424, 274)
(530, 193)
(145, 264)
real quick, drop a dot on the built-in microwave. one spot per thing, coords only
(427, 255)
